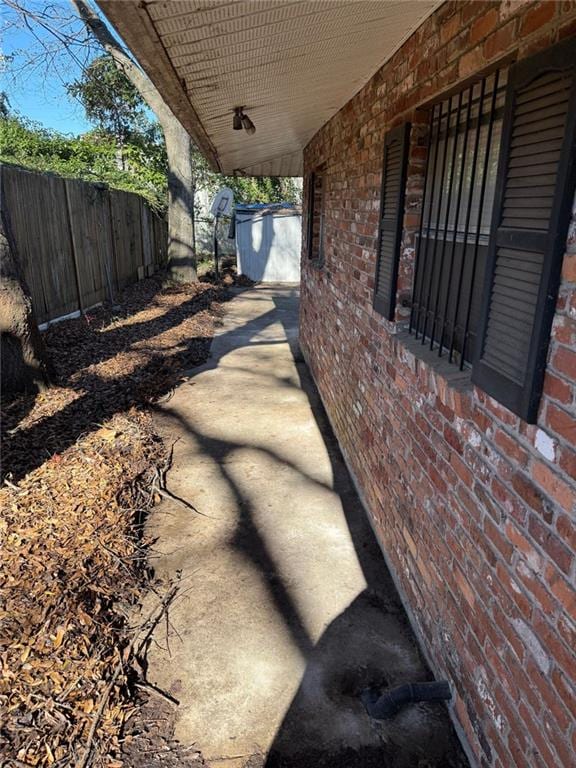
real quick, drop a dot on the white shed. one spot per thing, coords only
(269, 241)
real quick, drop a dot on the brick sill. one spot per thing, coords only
(451, 376)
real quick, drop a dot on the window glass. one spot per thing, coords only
(464, 144)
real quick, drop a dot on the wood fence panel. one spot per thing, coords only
(79, 243)
(127, 233)
(90, 226)
(36, 204)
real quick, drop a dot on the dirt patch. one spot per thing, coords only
(82, 467)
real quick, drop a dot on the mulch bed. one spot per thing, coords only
(81, 468)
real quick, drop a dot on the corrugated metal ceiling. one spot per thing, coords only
(292, 65)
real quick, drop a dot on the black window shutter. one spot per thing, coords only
(310, 223)
(394, 167)
(532, 208)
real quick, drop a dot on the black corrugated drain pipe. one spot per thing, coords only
(382, 705)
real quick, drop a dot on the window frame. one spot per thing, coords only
(315, 215)
(437, 203)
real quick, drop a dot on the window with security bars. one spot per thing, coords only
(462, 160)
(498, 196)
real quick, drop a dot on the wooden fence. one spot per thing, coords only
(79, 243)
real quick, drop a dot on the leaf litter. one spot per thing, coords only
(82, 466)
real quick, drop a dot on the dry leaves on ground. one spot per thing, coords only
(106, 363)
(69, 547)
(80, 462)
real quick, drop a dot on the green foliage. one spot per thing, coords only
(126, 150)
(92, 157)
(110, 100)
(265, 189)
(248, 189)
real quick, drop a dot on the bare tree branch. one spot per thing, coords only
(141, 81)
(76, 34)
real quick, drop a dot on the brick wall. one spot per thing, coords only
(473, 507)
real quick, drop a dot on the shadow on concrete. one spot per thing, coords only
(369, 643)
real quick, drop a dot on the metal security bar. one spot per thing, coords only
(452, 244)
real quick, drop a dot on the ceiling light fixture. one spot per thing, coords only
(241, 120)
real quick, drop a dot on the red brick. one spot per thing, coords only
(510, 633)
(501, 412)
(464, 587)
(566, 527)
(535, 19)
(550, 543)
(564, 690)
(562, 654)
(461, 469)
(560, 744)
(556, 388)
(453, 438)
(568, 462)
(535, 587)
(553, 485)
(469, 10)
(564, 362)
(521, 542)
(562, 423)
(461, 404)
(496, 537)
(562, 591)
(489, 543)
(526, 489)
(508, 500)
(499, 41)
(449, 28)
(510, 447)
(470, 62)
(514, 593)
(544, 687)
(566, 630)
(483, 26)
(542, 744)
(564, 330)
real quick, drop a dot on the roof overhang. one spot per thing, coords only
(291, 64)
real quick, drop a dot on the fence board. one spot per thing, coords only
(78, 243)
(89, 213)
(37, 207)
(127, 233)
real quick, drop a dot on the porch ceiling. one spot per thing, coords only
(291, 64)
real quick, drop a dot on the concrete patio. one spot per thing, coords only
(286, 610)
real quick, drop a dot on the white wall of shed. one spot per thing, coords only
(268, 247)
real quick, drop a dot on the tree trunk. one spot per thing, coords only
(181, 251)
(24, 364)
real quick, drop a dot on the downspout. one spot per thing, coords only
(386, 704)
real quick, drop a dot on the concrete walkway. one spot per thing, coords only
(286, 609)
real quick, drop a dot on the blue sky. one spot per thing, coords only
(43, 98)
(38, 95)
